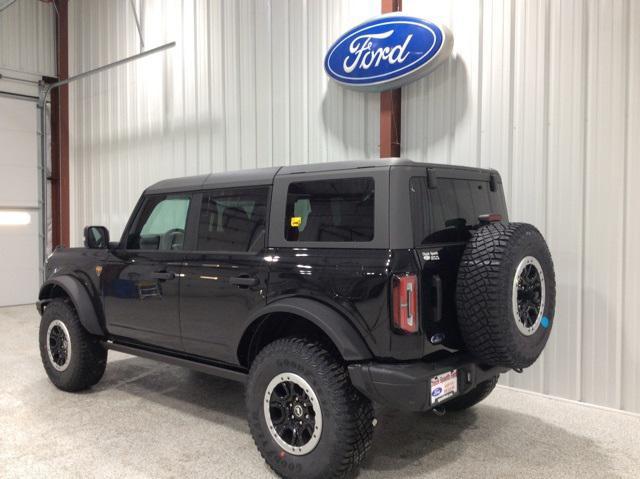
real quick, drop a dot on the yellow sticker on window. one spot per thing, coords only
(296, 221)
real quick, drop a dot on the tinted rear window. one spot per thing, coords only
(330, 210)
(233, 219)
(448, 212)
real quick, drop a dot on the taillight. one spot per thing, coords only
(405, 302)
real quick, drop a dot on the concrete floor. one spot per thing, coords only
(146, 419)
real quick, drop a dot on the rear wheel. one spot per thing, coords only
(73, 359)
(306, 418)
(473, 397)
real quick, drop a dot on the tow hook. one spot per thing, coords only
(439, 411)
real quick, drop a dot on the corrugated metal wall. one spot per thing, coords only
(244, 88)
(546, 91)
(27, 38)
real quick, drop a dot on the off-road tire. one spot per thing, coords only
(347, 416)
(88, 357)
(473, 397)
(484, 294)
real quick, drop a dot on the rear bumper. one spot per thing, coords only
(407, 386)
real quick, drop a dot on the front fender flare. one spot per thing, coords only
(335, 325)
(80, 298)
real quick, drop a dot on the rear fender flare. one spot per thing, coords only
(336, 326)
(80, 298)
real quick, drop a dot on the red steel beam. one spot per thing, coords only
(60, 135)
(390, 101)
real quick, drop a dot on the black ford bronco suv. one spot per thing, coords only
(324, 287)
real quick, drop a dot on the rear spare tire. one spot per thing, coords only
(505, 294)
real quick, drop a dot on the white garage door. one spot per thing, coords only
(19, 257)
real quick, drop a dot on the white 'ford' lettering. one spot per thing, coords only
(364, 57)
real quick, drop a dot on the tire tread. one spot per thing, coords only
(89, 365)
(352, 411)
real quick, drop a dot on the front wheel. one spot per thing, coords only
(73, 359)
(306, 418)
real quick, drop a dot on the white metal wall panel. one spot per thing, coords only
(603, 290)
(565, 190)
(630, 333)
(545, 91)
(27, 38)
(244, 88)
(558, 115)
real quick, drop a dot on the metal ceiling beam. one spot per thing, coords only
(111, 65)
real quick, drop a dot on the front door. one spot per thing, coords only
(226, 277)
(141, 280)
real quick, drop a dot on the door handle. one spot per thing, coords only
(163, 275)
(245, 281)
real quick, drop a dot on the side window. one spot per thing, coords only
(448, 213)
(233, 219)
(330, 210)
(161, 224)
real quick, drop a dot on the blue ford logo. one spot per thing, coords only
(437, 391)
(387, 52)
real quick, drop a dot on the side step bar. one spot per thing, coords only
(179, 361)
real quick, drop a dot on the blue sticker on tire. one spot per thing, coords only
(545, 322)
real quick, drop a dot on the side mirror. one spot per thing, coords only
(96, 237)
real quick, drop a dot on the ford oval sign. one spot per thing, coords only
(387, 51)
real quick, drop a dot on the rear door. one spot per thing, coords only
(141, 280)
(225, 278)
(445, 210)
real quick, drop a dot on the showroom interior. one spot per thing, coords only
(99, 99)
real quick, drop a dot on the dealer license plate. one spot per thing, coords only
(444, 386)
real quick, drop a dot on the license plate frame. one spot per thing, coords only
(444, 386)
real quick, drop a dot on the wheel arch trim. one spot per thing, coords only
(80, 298)
(335, 325)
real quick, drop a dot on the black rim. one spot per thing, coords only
(58, 345)
(292, 414)
(529, 295)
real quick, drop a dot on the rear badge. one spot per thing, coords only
(431, 255)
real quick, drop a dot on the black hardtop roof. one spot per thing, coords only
(264, 176)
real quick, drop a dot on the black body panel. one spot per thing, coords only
(216, 305)
(141, 296)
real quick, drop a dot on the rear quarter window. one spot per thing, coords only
(450, 211)
(339, 210)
